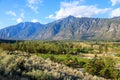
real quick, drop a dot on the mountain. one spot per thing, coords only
(21, 31)
(69, 28)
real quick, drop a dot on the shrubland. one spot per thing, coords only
(32, 67)
(59, 60)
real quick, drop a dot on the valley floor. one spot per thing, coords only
(38, 68)
(60, 60)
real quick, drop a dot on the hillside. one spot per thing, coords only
(69, 28)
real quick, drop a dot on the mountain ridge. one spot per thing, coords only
(69, 28)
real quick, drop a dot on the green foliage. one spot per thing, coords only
(46, 47)
(86, 50)
(118, 55)
(81, 64)
(67, 53)
(52, 57)
(7, 46)
(102, 67)
(67, 59)
(100, 48)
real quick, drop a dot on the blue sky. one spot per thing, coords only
(45, 11)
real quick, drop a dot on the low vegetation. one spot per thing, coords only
(57, 60)
(103, 67)
(36, 68)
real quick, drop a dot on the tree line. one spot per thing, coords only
(46, 47)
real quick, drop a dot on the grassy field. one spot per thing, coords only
(66, 59)
(63, 57)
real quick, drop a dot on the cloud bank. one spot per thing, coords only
(115, 12)
(73, 8)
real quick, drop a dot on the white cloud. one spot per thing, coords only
(114, 2)
(34, 20)
(33, 4)
(77, 10)
(11, 13)
(19, 20)
(115, 12)
(22, 15)
(50, 16)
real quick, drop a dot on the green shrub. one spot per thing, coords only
(81, 64)
(118, 55)
(52, 57)
(102, 67)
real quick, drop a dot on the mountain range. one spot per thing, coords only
(69, 28)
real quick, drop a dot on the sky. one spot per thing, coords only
(44, 11)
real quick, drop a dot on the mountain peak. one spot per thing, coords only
(116, 18)
(71, 17)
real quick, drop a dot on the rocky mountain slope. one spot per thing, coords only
(69, 28)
